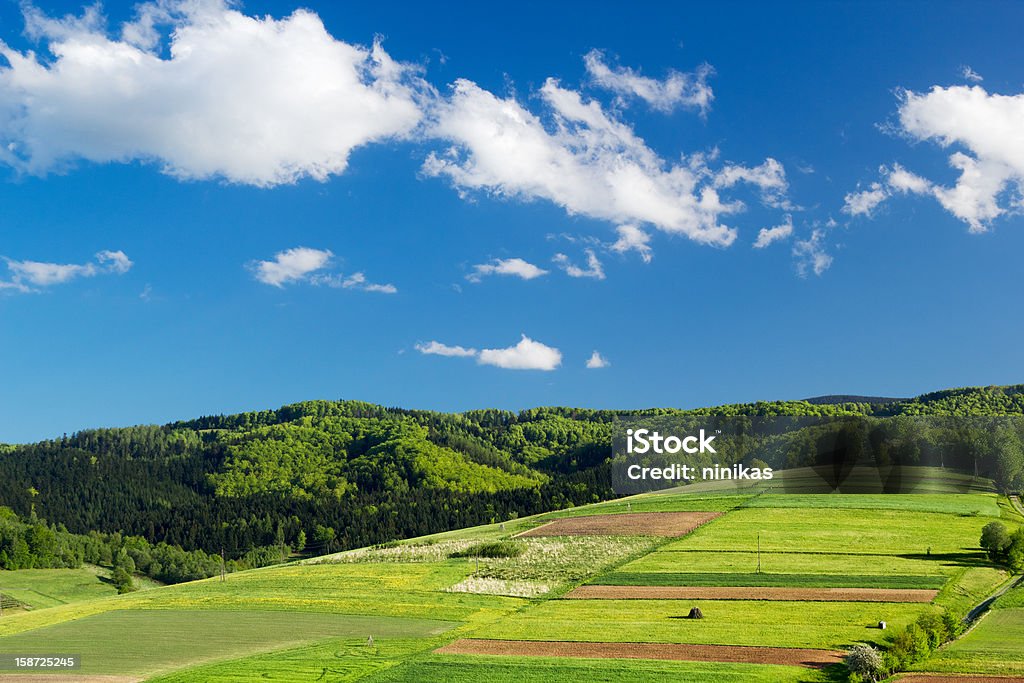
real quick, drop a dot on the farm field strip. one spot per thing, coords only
(668, 524)
(628, 650)
(751, 593)
(764, 580)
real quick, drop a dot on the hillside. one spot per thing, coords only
(321, 476)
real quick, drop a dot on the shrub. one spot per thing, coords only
(865, 662)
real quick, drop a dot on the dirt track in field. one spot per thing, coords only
(752, 593)
(957, 678)
(669, 524)
(670, 651)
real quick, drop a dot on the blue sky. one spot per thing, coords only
(211, 209)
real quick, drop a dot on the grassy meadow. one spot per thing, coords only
(310, 620)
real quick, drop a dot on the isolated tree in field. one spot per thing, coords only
(1015, 552)
(995, 539)
(865, 661)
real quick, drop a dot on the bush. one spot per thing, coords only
(492, 549)
(865, 662)
(995, 539)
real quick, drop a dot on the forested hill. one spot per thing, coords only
(337, 474)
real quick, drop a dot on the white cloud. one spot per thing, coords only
(768, 235)
(970, 74)
(526, 355)
(594, 268)
(986, 135)
(769, 177)
(632, 238)
(355, 281)
(252, 100)
(436, 348)
(597, 361)
(291, 265)
(303, 264)
(810, 254)
(515, 267)
(28, 274)
(863, 202)
(584, 160)
(677, 90)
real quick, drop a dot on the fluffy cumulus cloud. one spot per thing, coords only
(303, 264)
(593, 270)
(514, 267)
(984, 133)
(769, 235)
(528, 354)
(676, 90)
(253, 100)
(597, 361)
(586, 160)
(28, 276)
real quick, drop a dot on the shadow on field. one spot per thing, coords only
(969, 558)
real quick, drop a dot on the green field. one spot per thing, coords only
(726, 622)
(786, 580)
(310, 620)
(41, 588)
(149, 641)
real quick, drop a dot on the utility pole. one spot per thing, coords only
(223, 566)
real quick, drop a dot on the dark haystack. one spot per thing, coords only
(695, 613)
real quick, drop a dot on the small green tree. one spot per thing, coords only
(866, 662)
(995, 540)
(1015, 552)
(122, 580)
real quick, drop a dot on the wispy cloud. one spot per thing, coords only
(632, 238)
(769, 235)
(303, 264)
(27, 275)
(597, 361)
(690, 90)
(810, 254)
(436, 348)
(515, 267)
(594, 268)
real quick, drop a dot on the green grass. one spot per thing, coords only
(623, 578)
(1011, 598)
(995, 646)
(968, 587)
(335, 660)
(891, 532)
(479, 669)
(148, 641)
(398, 590)
(985, 505)
(42, 588)
(745, 562)
(738, 622)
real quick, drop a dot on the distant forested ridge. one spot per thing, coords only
(329, 475)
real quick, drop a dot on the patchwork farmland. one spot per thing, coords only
(785, 585)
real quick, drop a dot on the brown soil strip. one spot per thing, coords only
(671, 651)
(669, 524)
(957, 678)
(752, 593)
